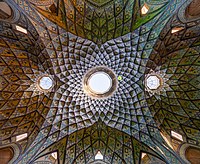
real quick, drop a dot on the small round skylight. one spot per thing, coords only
(100, 82)
(45, 82)
(153, 82)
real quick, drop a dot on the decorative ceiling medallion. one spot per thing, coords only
(99, 82)
(45, 83)
(65, 119)
(156, 83)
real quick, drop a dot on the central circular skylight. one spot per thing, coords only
(100, 82)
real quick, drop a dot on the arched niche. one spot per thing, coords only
(192, 154)
(193, 9)
(9, 153)
(189, 152)
(5, 11)
(189, 11)
(9, 12)
(6, 154)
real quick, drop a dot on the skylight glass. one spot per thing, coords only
(177, 136)
(100, 82)
(153, 82)
(98, 156)
(21, 29)
(144, 9)
(45, 83)
(143, 155)
(54, 155)
(176, 29)
(21, 137)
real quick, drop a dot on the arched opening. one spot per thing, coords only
(193, 9)
(6, 154)
(192, 154)
(5, 11)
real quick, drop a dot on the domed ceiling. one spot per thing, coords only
(151, 58)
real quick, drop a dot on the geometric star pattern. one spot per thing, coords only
(96, 20)
(67, 120)
(82, 146)
(179, 54)
(21, 110)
